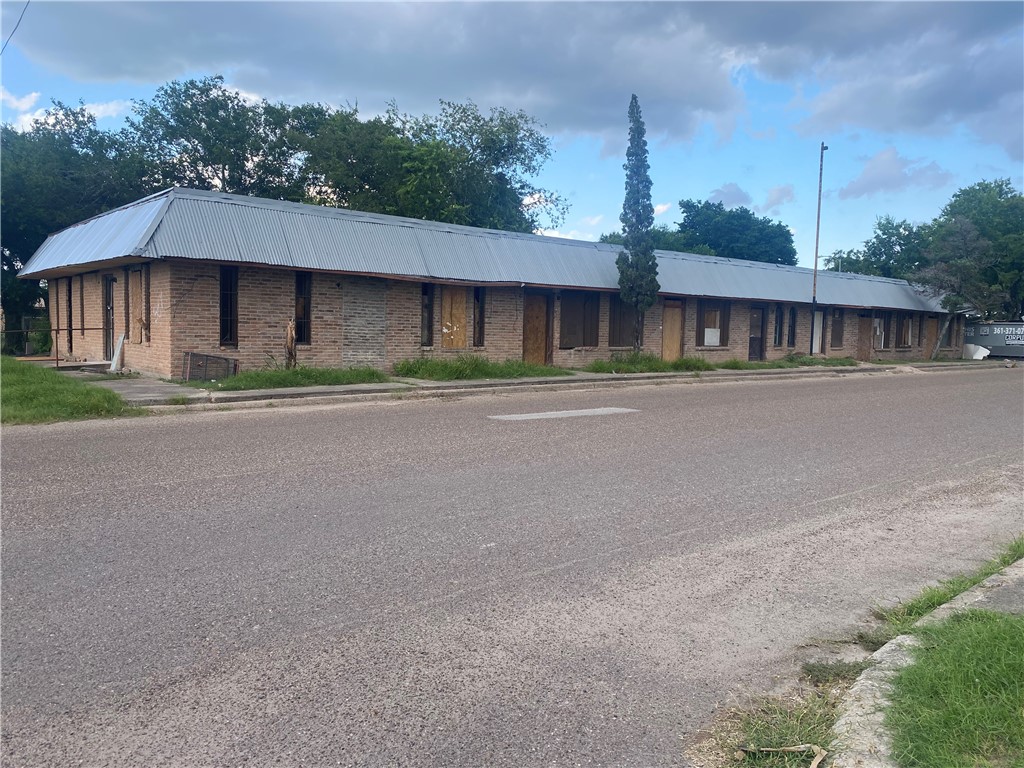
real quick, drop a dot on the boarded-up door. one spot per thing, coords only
(864, 338)
(931, 334)
(672, 331)
(535, 329)
(453, 317)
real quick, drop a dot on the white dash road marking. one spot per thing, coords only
(563, 414)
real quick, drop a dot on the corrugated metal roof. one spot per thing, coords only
(112, 235)
(194, 224)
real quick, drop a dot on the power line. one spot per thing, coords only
(15, 27)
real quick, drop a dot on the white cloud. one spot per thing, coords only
(99, 110)
(115, 108)
(24, 122)
(18, 104)
(573, 234)
(731, 195)
(777, 197)
(593, 221)
(660, 208)
(887, 171)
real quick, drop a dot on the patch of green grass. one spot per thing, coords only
(644, 362)
(178, 400)
(472, 367)
(900, 620)
(828, 672)
(36, 395)
(789, 361)
(294, 377)
(960, 703)
(777, 723)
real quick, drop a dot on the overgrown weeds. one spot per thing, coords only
(778, 722)
(644, 362)
(900, 619)
(302, 376)
(36, 395)
(830, 672)
(472, 367)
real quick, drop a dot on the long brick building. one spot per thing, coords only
(193, 271)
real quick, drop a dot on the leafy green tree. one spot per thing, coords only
(201, 134)
(638, 269)
(896, 249)
(665, 239)
(996, 210)
(59, 172)
(736, 233)
(510, 146)
(459, 166)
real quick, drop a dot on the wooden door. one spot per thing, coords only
(755, 349)
(931, 335)
(865, 338)
(453, 317)
(672, 331)
(536, 341)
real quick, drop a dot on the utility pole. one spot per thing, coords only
(817, 233)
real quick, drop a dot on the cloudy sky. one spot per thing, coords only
(914, 100)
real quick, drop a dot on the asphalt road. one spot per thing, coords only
(416, 583)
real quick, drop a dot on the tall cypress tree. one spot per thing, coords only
(638, 270)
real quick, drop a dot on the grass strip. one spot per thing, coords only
(900, 620)
(959, 704)
(643, 362)
(294, 377)
(32, 394)
(472, 367)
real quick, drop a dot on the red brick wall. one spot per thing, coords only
(372, 321)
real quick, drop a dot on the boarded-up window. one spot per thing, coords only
(453, 317)
(904, 323)
(479, 307)
(837, 327)
(780, 324)
(137, 306)
(579, 317)
(881, 330)
(950, 334)
(426, 315)
(621, 317)
(712, 323)
(229, 306)
(303, 307)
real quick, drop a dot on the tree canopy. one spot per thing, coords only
(736, 233)
(972, 252)
(460, 166)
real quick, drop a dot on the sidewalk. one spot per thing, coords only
(148, 391)
(860, 733)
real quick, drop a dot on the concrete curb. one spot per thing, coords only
(420, 388)
(192, 399)
(861, 736)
